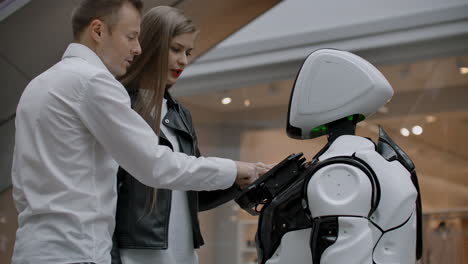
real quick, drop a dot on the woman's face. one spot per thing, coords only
(179, 52)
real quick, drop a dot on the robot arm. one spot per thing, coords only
(263, 190)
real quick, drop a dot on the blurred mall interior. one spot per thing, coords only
(238, 90)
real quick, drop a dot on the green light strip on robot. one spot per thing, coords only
(319, 128)
(318, 131)
(322, 129)
(360, 118)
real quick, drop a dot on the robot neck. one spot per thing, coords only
(341, 127)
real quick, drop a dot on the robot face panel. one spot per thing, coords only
(331, 85)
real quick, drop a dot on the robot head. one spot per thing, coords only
(332, 85)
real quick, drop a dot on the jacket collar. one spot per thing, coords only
(175, 115)
(85, 53)
(171, 102)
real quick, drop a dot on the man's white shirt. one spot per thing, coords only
(74, 125)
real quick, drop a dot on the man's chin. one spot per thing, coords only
(119, 73)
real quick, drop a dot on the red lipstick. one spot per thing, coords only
(176, 73)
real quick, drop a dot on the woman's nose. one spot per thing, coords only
(183, 60)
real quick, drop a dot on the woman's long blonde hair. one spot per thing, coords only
(148, 72)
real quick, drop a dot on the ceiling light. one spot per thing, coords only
(404, 132)
(417, 130)
(462, 66)
(226, 100)
(430, 119)
(246, 102)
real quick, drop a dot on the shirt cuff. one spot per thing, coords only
(228, 171)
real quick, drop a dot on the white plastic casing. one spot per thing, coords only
(333, 84)
(344, 191)
(290, 251)
(339, 189)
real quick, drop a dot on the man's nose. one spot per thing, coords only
(137, 49)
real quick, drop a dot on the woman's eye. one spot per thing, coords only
(188, 53)
(175, 49)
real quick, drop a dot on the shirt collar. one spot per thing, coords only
(83, 52)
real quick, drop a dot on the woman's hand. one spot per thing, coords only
(248, 172)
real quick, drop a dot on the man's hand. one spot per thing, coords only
(248, 172)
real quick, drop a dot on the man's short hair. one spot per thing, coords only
(105, 10)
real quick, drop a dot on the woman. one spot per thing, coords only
(161, 226)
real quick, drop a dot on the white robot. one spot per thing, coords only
(356, 201)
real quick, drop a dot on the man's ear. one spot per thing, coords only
(96, 27)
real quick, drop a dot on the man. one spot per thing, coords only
(74, 125)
